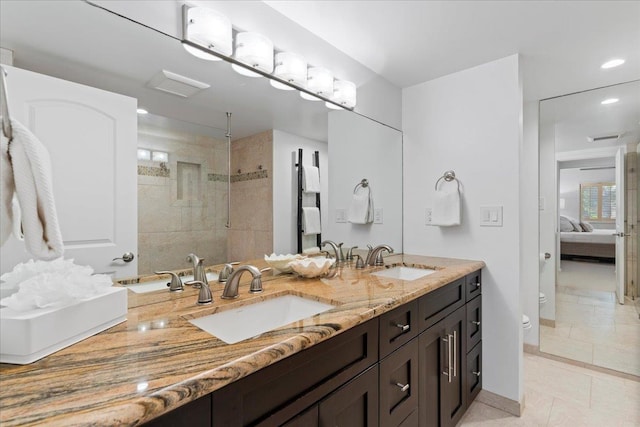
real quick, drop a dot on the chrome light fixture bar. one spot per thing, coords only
(208, 50)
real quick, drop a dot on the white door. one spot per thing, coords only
(620, 228)
(91, 137)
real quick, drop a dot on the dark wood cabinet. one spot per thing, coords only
(442, 371)
(353, 405)
(418, 364)
(399, 385)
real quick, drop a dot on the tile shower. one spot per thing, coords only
(182, 204)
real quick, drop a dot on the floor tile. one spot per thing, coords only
(555, 380)
(568, 414)
(622, 359)
(571, 349)
(614, 395)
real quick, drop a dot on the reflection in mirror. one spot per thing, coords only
(588, 178)
(181, 202)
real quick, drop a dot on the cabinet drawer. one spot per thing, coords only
(438, 304)
(398, 327)
(353, 405)
(474, 373)
(399, 384)
(474, 323)
(278, 392)
(473, 286)
(411, 420)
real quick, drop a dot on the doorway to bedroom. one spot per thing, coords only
(590, 310)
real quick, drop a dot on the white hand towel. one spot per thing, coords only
(310, 179)
(7, 189)
(361, 208)
(446, 207)
(32, 176)
(311, 221)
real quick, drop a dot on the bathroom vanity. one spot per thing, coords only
(392, 352)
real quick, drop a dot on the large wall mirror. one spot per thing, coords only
(589, 306)
(179, 153)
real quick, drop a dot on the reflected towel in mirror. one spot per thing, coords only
(361, 208)
(311, 221)
(310, 179)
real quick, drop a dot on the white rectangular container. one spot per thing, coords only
(26, 336)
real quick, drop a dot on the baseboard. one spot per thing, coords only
(500, 402)
(547, 322)
(530, 348)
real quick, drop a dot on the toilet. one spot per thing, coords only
(526, 323)
(543, 298)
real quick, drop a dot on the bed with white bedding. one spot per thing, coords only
(595, 244)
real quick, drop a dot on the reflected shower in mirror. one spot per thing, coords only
(180, 199)
(588, 178)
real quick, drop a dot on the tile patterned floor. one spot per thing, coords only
(591, 327)
(559, 394)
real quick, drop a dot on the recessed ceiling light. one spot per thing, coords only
(142, 111)
(613, 63)
(609, 101)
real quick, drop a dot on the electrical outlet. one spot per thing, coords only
(428, 216)
(377, 216)
(341, 215)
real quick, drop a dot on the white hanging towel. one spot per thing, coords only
(32, 175)
(311, 221)
(7, 189)
(361, 208)
(446, 207)
(310, 179)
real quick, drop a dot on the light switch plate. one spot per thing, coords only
(377, 216)
(341, 215)
(491, 216)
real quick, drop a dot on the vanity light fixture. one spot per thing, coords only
(609, 101)
(344, 93)
(144, 154)
(612, 63)
(142, 111)
(319, 81)
(291, 67)
(254, 50)
(209, 28)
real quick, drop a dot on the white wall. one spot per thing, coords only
(285, 187)
(530, 263)
(377, 156)
(470, 122)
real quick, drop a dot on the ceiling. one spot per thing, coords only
(562, 43)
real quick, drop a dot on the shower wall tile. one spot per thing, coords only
(170, 228)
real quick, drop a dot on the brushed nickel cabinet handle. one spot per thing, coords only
(476, 373)
(455, 356)
(403, 387)
(475, 322)
(404, 328)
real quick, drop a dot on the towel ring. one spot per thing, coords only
(364, 184)
(448, 176)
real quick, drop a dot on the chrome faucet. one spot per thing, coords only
(337, 248)
(374, 257)
(198, 269)
(231, 287)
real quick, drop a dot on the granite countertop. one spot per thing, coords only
(157, 361)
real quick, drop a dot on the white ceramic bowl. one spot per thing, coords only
(312, 267)
(280, 263)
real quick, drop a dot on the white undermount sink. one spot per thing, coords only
(156, 285)
(404, 273)
(250, 320)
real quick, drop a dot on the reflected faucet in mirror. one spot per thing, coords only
(337, 249)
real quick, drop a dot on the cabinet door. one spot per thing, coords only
(473, 285)
(353, 405)
(442, 371)
(399, 384)
(308, 418)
